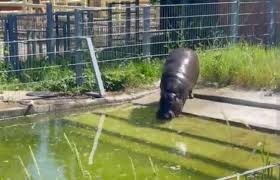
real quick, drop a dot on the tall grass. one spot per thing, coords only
(131, 75)
(116, 76)
(244, 65)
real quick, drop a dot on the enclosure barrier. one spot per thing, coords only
(270, 172)
(95, 67)
(28, 68)
(123, 34)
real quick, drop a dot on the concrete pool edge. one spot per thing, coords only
(213, 96)
(39, 106)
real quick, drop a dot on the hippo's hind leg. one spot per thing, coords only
(191, 95)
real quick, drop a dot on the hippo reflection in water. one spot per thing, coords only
(180, 74)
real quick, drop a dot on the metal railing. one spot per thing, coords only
(270, 172)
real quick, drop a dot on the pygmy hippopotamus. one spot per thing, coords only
(180, 74)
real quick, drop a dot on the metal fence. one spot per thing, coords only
(45, 70)
(270, 172)
(32, 46)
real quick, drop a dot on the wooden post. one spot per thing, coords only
(147, 28)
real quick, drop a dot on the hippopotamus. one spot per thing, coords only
(180, 74)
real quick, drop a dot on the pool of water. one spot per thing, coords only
(127, 142)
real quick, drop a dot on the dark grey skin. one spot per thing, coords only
(180, 74)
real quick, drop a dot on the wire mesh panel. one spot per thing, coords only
(28, 72)
(200, 24)
(253, 22)
(210, 23)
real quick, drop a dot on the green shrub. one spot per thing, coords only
(131, 75)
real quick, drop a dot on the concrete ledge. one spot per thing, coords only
(246, 116)
(236, 101)
(243, 112)
(221, 104)
(253, 98)
(12, 112)
(38, 106)
(236, 123)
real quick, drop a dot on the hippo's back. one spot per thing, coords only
(183, 61)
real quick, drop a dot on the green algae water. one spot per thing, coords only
(127, 142)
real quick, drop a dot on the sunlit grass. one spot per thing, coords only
(250, 66)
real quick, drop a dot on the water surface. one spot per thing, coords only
(127, 142)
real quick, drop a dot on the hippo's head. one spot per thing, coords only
(170, 106)
(167, 107)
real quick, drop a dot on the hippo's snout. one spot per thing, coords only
(167, 116)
